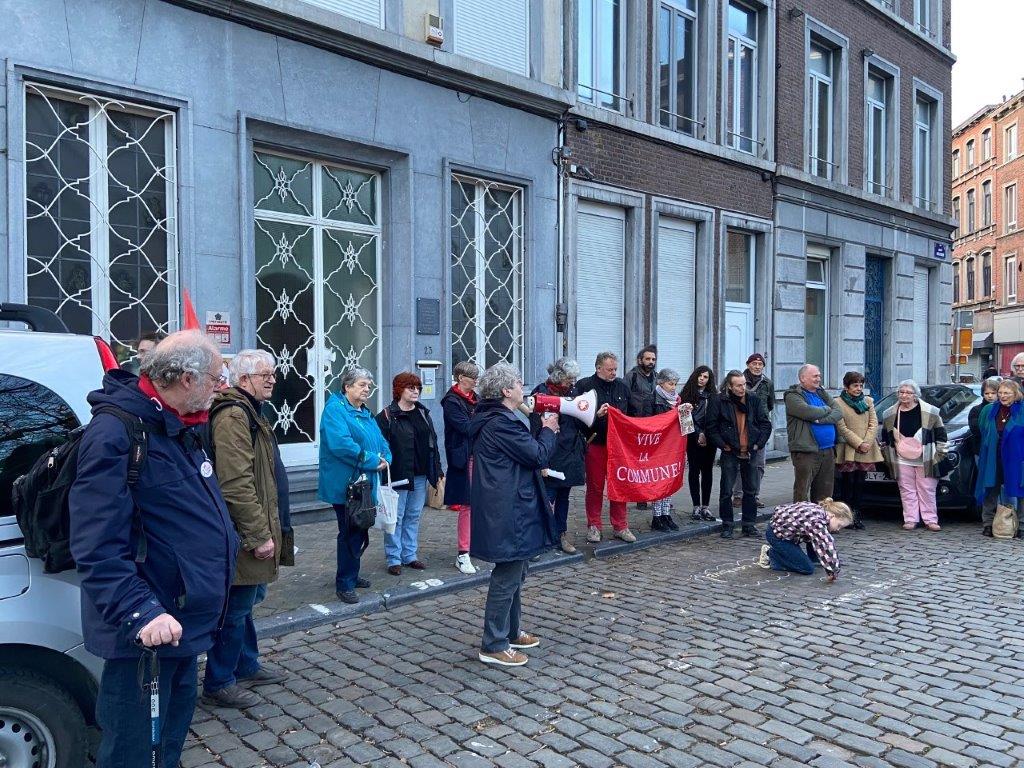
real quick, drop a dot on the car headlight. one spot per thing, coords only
(956, 442)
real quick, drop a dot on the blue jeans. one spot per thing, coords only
(400, 546)
(560, 498)
(234, 653)
(350, 550)
(122, 712)
(788, 555)
(745, 469)
(502, 609)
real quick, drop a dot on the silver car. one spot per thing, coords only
(48, 681)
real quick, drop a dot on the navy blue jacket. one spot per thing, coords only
(457, 415)
(570, 446)
(190, 540)
(511, 518)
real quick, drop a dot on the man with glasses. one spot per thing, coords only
(153, 542)
(1017, 368)
(243, 449)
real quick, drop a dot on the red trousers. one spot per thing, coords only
(596, 465)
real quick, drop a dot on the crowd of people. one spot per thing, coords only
(212, 477)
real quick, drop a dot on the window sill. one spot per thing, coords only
(910, 27)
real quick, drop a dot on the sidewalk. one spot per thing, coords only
(304, 595)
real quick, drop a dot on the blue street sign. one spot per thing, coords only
(940, 251)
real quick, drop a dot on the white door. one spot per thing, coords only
(739, 301)
(600, 291)
(920, 364)
(676, 294)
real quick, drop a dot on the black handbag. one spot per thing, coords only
(360, 508)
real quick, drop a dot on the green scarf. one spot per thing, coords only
(857, 403)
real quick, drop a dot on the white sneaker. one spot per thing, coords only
(464, 564)
(763, 560)
(593, 534)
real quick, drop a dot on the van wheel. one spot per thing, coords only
(41, 726)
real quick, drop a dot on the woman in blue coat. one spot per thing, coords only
(511, 518)
(350, 444)
(1001, 454)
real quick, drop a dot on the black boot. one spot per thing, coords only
(726, 531)
(987, 531)
(751, 530)
(669, 523)
(657, 524)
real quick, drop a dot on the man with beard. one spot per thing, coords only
(640, 381)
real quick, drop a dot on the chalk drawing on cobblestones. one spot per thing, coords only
(322, 609)
(721, 574)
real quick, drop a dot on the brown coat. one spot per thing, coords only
(244, 459)
(854, 429)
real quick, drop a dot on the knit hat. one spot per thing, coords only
(756, 356)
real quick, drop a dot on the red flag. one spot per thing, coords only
(191, 322)
(645, 456)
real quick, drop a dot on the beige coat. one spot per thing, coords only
(854, 429)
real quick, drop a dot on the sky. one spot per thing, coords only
(987, 44)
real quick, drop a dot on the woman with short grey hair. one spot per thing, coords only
(666, 398)
(457, 406)
(914, 445)
(512, 520)
(570, 447)
(351, 444)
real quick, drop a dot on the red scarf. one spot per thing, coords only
(189, 420)
(560, 390)
(469, 397)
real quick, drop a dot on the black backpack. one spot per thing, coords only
(205, 430)
(40, 496)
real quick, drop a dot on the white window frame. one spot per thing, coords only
(1009, 142)
(956, 216)
(1010, 204)
(956, 282)
(732, 85)
(821, 256)
(923, 16)
(986, 203)
(971, 210)
(986, 144)
(814, 82)
(923, 141)
(691, 125)
(99, 208)
(970, 154)
(1010, 279)
(470, 11)
(956, 164)
(873, 105)
(986, 273)
(622, 99)
(970, 278)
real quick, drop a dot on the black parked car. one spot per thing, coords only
(956, 490)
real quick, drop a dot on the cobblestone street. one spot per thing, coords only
(686, 654)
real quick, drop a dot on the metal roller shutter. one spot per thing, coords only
(600, 296)
(920, 365)
(677, 297)
(367, 11)
(495, 32)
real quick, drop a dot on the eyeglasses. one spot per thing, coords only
(222, 379)
(264, 376)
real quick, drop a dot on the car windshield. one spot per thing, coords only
(954, 401)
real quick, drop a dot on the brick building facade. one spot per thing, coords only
(798, 166)
(988, 243)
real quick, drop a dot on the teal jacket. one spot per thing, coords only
(1011, 453)
(350, 443)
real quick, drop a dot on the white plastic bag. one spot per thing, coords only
(387, 514)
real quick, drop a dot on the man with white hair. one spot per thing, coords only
(1017, 368)
(811, 418)
(153, 543)
(243, 451)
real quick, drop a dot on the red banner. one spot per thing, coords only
(645, 456)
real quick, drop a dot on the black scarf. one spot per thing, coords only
(738, 402)
(751, 379)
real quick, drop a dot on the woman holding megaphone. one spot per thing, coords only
(565, 465)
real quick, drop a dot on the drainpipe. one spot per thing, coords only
(561, 304)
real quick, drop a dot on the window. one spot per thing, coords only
(1010, 207)
(956, 163)
(33, 419)
(877, 114)
(923, 16)
(956, 217)
(820, 94)
(956, 282)
(924, 125)
(970, 154)
(741, 84)
(986, 144)
(969, 267)
(1010, 142)
(486, 272)
(986, 274)
(1010, 280)
(970, 211)
(677, 67)
(601, 61)
(494, 32)
(101, 246)
(316, 241)
(986, 204)
(366, 11)
(816, 313)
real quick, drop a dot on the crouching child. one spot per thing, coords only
(805, 524)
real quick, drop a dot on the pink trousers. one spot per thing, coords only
(463, 528)
(917, 493)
